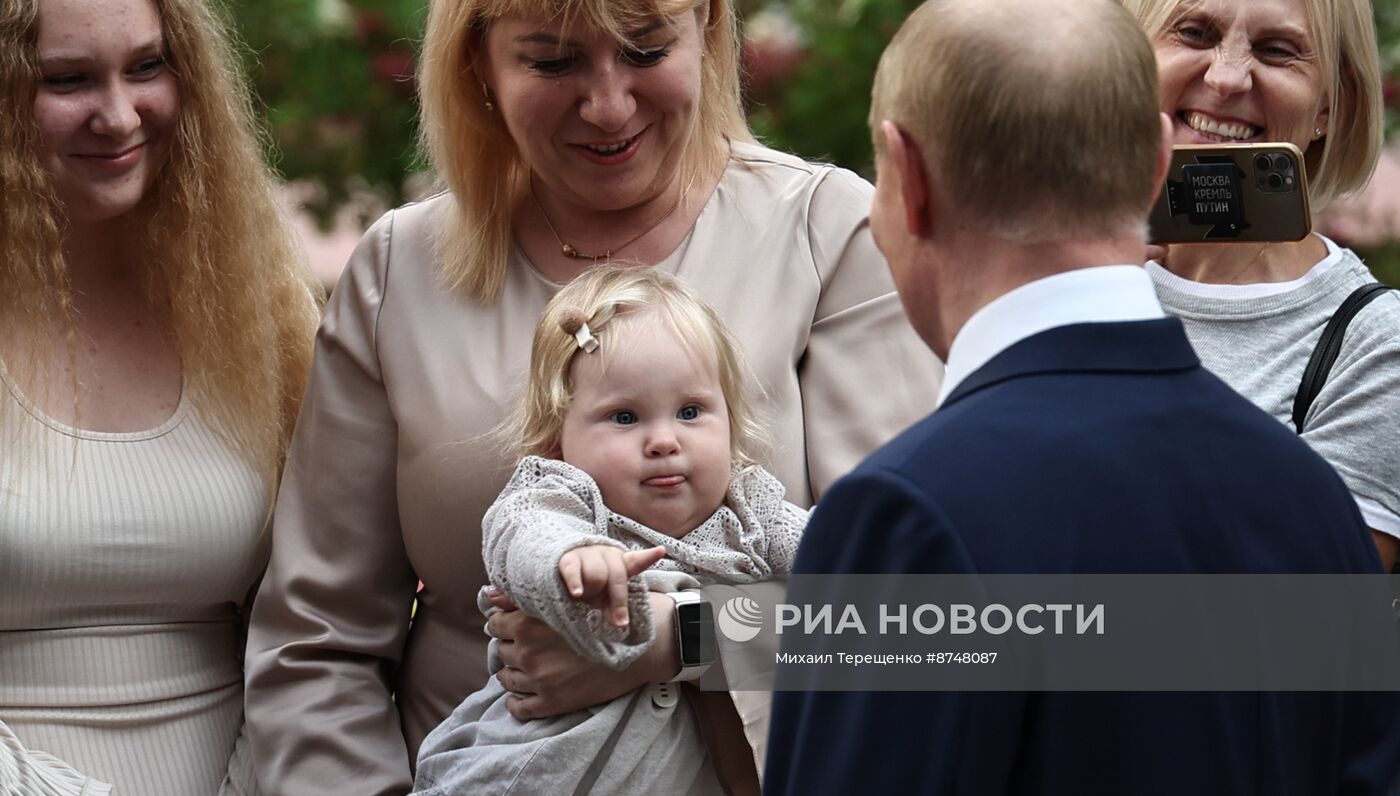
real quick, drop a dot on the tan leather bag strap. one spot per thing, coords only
(724, 740)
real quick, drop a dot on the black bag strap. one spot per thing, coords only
(1328, 347)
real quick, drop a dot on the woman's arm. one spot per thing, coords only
(1354, 422)
(865, 376)
(548, 509)
(241, 777)
(32, 773)
(551, 679)
(332, 614)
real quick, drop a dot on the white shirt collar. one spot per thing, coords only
(1102, 294)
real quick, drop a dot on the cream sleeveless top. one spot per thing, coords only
(125, 560)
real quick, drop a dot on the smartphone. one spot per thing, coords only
(1233, 192)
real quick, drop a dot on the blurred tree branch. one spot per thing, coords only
(819, 111)
(336, 79)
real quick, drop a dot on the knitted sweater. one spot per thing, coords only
(633, 744)
(550, 507)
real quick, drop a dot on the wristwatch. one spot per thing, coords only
(695, 633)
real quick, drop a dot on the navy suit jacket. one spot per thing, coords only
(1093, 448)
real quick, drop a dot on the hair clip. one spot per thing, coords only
(575, 323)
(585, 339)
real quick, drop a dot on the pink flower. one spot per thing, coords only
(771, 49)
(1370, 217)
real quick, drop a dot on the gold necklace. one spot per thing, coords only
(1234, 278)
(1252, 261)
(574, 254)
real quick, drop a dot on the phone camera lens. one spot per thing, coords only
(1275, 181)
(1262, 163)
(1282, 163)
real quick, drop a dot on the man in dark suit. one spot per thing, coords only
(1018, 147)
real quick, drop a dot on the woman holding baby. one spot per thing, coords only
(599, 131)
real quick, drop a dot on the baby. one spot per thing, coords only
(639, 475)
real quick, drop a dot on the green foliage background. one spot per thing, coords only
(820, 111)
(1385, 260)
(335, 77)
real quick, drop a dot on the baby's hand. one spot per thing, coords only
(598, 573)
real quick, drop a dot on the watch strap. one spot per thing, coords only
(693, 671)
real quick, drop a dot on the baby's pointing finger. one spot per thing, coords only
(595, 574)
(617, 590)
(570, 571)
(638, 561)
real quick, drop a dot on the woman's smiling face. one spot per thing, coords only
(107, 103)
(602, 123)
(1240, 71)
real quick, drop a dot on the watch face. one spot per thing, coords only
(696, 624)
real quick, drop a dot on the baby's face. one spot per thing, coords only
(651, 427)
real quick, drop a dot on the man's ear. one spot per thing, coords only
(906, 162)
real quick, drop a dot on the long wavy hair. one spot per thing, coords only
(220, 260)
(473, 152)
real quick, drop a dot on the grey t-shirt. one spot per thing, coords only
(1258, 338)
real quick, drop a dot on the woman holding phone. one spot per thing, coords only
(1305, 72)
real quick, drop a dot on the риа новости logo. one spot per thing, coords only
(740, 619)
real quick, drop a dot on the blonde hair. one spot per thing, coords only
(1046, 137)
(1344, 36)
(604, 297)
(221, 263)
(473, 152)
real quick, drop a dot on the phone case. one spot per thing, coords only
(1233, 192)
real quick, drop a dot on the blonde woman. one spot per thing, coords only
(566, 133)
(1305, 72)
(155, 332)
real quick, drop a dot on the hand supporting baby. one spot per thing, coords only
(598, 574)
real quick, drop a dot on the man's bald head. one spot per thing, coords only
(1038, 116)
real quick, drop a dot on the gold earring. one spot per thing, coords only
(490, 106)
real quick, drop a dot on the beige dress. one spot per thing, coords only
(389, 474)
(124, 560)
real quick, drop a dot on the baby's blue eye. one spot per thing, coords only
(690, 412)
(623, 417)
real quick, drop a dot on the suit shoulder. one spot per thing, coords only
(879, 520)
(928, 441)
